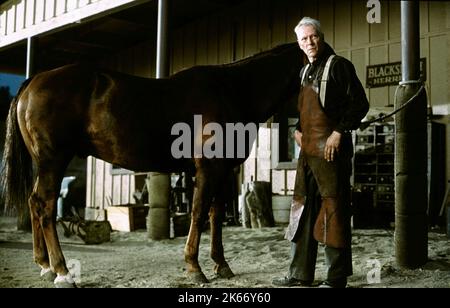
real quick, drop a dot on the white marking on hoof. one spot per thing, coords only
(47, 274)
(44, 271)
(64, 281)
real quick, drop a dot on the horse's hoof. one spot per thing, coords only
(64, 282)
(47, 275)
(197, 277)
(224, 272)
(65, 285)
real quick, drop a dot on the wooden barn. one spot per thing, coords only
(37, 35)
(401, 166)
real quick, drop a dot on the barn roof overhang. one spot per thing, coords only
(97, 36)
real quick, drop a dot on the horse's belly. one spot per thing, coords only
(152, 163)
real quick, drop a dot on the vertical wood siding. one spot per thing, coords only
(20, 19)
(22, 14)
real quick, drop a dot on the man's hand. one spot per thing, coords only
(298, 138)
(332, 146)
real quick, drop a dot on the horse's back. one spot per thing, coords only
(123, 119)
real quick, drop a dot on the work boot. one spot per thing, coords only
(290, 282)
(336, 283)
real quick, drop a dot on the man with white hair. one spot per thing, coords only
(331, 103)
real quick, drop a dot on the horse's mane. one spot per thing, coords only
(271, 52)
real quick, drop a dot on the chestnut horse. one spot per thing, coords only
(126, 120)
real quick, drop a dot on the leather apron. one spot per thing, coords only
(316, 128)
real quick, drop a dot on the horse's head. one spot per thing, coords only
(283, 76)
(295, 59)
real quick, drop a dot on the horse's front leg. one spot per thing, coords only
(201, 202)
(216, 216)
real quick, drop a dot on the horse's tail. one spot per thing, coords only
(16, 176)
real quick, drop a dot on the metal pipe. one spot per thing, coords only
(158, 184)
(410, 40)
(411, 230)
(31, 49)
(162, 48)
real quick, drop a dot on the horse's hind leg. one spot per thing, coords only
(201, 202)
(216, 215)
(39, 247)
(43, 207)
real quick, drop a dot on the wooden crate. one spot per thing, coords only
(127, 217)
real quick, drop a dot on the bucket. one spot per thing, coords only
(281, 207)
(181, 224)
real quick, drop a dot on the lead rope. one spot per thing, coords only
(365, 124)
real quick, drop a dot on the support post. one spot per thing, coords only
(31, 62)
(158, 184)
(162, 47)
(411, 231)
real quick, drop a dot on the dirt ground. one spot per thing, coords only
(130, 260)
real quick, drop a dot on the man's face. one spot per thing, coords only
(310, 42)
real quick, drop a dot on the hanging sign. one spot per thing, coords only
(389, 74)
